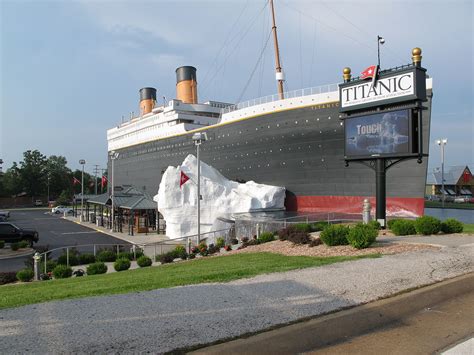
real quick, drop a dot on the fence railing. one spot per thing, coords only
(287, 95)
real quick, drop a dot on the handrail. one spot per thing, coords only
(288, 95)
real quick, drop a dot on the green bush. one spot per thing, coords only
(390, 222)
(265, 237)
(203, 249)
(122, 264)
(124, 255)
(96, 268)
(106, 256)
(86, 258)
(24, 244)
(452, 225)
(62, 272)
(179, 252)
(375, 225)
(318, 226)
(166, 258)
(14, 246)
(362, 236)
(144, 261)
(220, 242)
(299, 237)
(2, 244)
(50, 265)
(73, 259)
(335, 234)
(427, 225)
(25, 275)
(7, 277)
(403, 227)
(303, 227)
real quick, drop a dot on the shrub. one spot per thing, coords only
(303, 227)
(14, 246)
(318, 226)
(285, 232)
(122, 264)
(106, 256)
(96, 268)
(299, 237)
(166, 258)
(251, 242)
(362, 236)
(73, 259)
(234, 241)
(192, 256)
(212, 249)
(452, 225)
(427, 225)
(2, 244)
(203, 249)
(266, 237)
(86, 258)
(144, 261)
(227, 248)
(403, 227)
(391, 222)
(194, 250)
(375, 225)
(23, 244)
(50, 265)
(335, 235)
(124, 255)
(25, 275)
(244, 239)
(220, 242)
(179, 252)
(62, 272)
(7, 277)
(315, 242)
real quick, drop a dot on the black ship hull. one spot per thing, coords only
(301, 149)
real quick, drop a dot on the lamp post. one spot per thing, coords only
(113, 155)
(380, 40)
(198, 138)
(82, 162)
(442, 142)
(47, 202)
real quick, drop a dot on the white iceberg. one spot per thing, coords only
(220, 197)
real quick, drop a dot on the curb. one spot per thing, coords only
(335, 327)
(5, 257)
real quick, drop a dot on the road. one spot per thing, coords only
(54, 232)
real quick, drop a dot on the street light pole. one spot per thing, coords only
(82, 162)
(198, 138)
(113, 155)
(380, 41)
(442, 143)
(47, 202)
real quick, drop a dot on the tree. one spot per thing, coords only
(60, 176)
(33, 172)
(11, 181)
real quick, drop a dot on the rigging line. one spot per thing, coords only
(370, 46)
(313, 53)
(234, 48)
(225, 41)
(301, 52)
(262, 64)
(357, 27)
(255, 67)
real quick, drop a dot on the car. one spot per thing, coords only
(38, 203)
(11, 233)
(61, 209)
(5, 214)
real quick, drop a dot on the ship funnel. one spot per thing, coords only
(186, 85)
(147, 100)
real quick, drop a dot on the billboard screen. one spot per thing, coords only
(386, 133)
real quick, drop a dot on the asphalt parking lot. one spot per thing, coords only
(54, 232)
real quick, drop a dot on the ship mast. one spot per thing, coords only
(279, 73)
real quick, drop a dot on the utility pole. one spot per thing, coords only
(96, 170)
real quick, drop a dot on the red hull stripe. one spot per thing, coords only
(396, 206)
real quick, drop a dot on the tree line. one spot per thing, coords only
(36, 172)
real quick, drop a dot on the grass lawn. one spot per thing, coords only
(212, 269)
(468, 228)
(459, 206)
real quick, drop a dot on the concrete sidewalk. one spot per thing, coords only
(139, 238)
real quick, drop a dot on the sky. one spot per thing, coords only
(70, 70)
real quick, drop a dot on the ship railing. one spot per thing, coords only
(287, 95)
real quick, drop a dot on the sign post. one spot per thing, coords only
(383, 120)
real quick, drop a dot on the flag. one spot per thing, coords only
(370, 72)
(103, 181)
(183, 179)
(75, 181)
